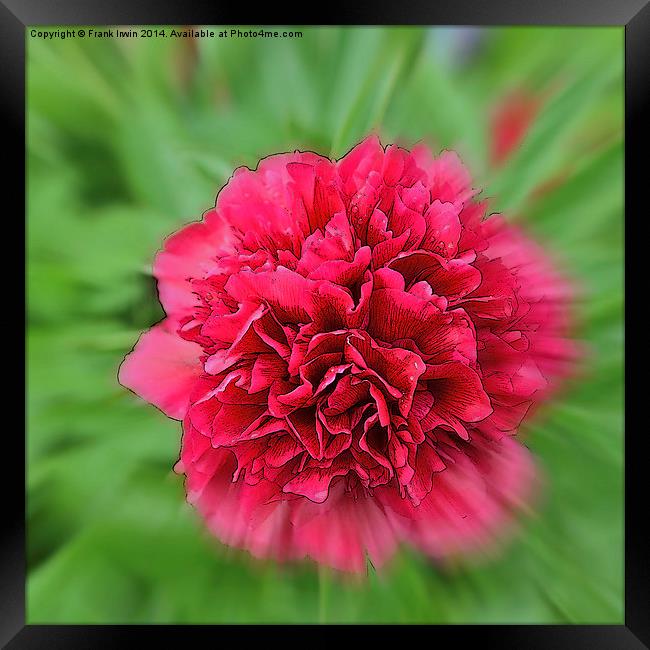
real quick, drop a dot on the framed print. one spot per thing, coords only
(326, 323)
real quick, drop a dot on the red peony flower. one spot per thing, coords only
(351, 346)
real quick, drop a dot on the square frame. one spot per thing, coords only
(634, 15)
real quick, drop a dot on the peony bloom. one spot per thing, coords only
(351, 347)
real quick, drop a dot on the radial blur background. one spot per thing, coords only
(128, 139)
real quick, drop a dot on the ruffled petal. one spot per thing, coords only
(472, 503)
(190, 253)
(162, 369)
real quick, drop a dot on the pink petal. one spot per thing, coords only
(472, 502)
(162, 368)
(285, 292)
(190, 253)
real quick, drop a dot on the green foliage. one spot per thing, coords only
(130, 139)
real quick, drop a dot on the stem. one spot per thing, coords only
(322, 594)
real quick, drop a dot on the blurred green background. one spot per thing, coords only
(129, 139)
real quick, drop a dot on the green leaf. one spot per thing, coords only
(542, 148)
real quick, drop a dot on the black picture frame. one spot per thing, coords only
(17, 15)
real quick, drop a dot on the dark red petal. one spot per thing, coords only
(453, 279)
(397, 367)
(443, 336)
(457, 391)
(234, 423)
(314, 482)
(303, 423)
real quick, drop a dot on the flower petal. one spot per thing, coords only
(472, 502)
(190, 253)
(162, 368)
